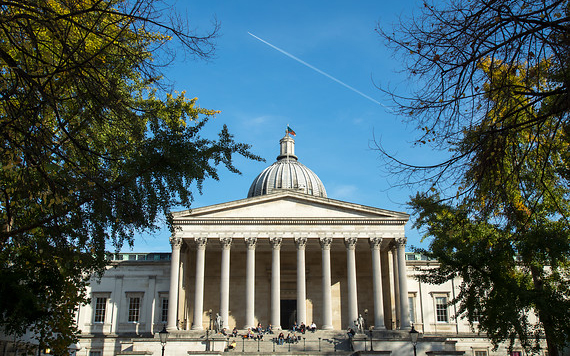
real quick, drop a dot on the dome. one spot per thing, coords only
(287, 174)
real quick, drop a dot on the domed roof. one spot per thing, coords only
(287, 173)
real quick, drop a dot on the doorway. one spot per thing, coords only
(288, 313)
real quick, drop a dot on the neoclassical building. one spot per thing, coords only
(287, 253)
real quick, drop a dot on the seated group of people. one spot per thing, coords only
(256, 334)
(290, 339)
(302, 328)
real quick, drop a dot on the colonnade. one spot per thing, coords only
(400, 281)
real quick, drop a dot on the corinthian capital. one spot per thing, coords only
(226, 242)
(250, 242)
(175, 241)
(301, 242)
(200, 242)
(400, 241)
(350, 242)
(325, 242)
(375, 242)
(275, 242)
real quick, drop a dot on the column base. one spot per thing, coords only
(326, 327)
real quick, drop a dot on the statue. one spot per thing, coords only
(359, 323)
(218, 323)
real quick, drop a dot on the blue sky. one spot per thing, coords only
(260, 90)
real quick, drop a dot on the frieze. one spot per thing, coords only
(286, 221)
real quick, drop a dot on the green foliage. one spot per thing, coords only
(494, 94)
(506, 275)
(91, 148)
(508, 239)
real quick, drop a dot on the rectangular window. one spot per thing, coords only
(441, 309)
(94, 353)
(164, 314)
(412, 302)
(480, 353)
(134, 309)
(100, 308)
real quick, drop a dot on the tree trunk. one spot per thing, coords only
(544, 316)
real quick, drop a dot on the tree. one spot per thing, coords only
(443, 49)
(494, 94)
(93, 147)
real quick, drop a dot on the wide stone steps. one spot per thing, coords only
(320, 342)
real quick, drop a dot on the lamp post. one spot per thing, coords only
(414, 336)
(163, 334)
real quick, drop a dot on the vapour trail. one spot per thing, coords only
(317, 70)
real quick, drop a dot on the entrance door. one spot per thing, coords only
(288, 313)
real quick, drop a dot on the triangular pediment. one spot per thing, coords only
(289, 204)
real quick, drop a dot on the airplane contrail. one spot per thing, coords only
(317, 70)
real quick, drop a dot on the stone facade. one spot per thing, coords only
(286, 254)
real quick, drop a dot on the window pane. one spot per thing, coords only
(134, 309)
(411, 301)
(481, 353)
(100, 306)
(441, 309)
(164, 317)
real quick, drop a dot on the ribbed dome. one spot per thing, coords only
(287, 173)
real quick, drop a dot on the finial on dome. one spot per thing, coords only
(287, 148)
(287, 174)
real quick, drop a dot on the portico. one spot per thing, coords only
(255, 252)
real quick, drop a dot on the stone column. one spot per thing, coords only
(375, 243)
(226, 244)
(301, 243)
(151, 303)
(199, 286)
(350, 243)
(404, 303)
(176, 243)
(395, 291)
(326, 282)
(275, 282)
(250, 283)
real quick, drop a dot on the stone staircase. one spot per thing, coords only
(320, 342)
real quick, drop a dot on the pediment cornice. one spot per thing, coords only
(351, 212)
